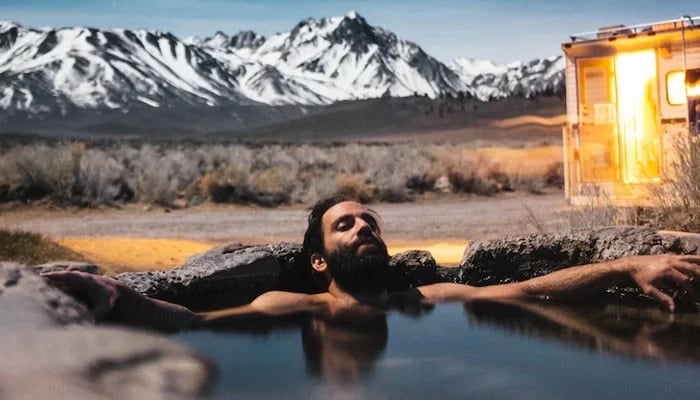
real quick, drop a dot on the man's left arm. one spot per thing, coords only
(648, 272)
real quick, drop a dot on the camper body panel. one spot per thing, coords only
(623, 129)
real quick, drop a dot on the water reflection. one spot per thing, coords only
(640, 333)
(342, 351)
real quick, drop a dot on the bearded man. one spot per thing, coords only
(346, 252)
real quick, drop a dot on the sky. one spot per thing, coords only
(497, 30)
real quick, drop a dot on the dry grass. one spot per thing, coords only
(267, 175)
(676, 204)
(32, 248)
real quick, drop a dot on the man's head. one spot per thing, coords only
(343, 242)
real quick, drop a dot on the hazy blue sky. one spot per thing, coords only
(499, 30)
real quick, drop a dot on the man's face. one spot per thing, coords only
(354, 250)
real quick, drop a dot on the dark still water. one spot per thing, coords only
(482, 351)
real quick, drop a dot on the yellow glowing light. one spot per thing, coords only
(637, 106)
(675, 87)
(677, 90)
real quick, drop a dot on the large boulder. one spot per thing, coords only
(225, 276)
(27, 301)
(414, 268)
(520, 258)
(232, 274)
(49, 348)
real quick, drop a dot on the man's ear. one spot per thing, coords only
(318, 262)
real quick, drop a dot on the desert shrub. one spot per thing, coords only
(469, 182)
(102, 179)
(32, 248)
(421, 183)
(354, 186)
(554, 175)
(35, 172)
(175, 174)
(676, 204)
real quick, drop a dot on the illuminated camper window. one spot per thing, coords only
(675, 88)
(676, 85)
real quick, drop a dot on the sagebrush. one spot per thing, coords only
(269, 175)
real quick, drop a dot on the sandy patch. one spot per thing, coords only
(447, 254)
(119, 254)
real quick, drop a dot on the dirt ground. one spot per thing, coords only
(135, 237)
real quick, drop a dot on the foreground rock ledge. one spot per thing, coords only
(521, 258)
(232, 274)
(49, 348)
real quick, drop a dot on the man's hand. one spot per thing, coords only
(98, 292)
(652, 273)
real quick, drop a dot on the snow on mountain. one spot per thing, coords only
(319, 61)
(521, 79)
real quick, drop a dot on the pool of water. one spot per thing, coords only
(480, 351)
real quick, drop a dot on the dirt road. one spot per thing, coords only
(453, 219)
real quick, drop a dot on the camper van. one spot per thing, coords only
(632, 101)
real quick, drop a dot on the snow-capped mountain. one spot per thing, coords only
(318, 62)
(491, 81)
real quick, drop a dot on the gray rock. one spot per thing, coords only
(224, 276)
(231, 274)
(66, 266)
(411, 269)
(98, 362)
(26, 301)
(50, 349)
(521, 258)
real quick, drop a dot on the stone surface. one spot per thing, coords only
(231, 274)
(98, 362)
(66, 266)
(411, 269)
(26, 301)
(225, 276)
(50, 349)
(521, 258)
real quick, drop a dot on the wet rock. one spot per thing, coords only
(521, 258)
(50, 349)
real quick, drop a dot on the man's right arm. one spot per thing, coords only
(110, 300)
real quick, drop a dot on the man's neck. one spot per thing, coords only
(374, 298)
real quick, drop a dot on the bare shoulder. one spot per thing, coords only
(277, 301)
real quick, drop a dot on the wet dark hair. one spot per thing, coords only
(313, 238)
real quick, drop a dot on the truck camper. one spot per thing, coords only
(632, 102)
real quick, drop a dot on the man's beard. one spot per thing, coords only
(360, 273)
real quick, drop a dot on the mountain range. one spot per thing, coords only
(318, 62)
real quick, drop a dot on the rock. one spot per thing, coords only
(50, 349)
(66, 266)
(411, 269)
(225, 276)
(521, 258)
(26, 301)
(231, 275)
(442, 184)
(98, 362)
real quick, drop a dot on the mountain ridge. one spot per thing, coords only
(319, 61)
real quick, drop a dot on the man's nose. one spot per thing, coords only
(363, 228)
